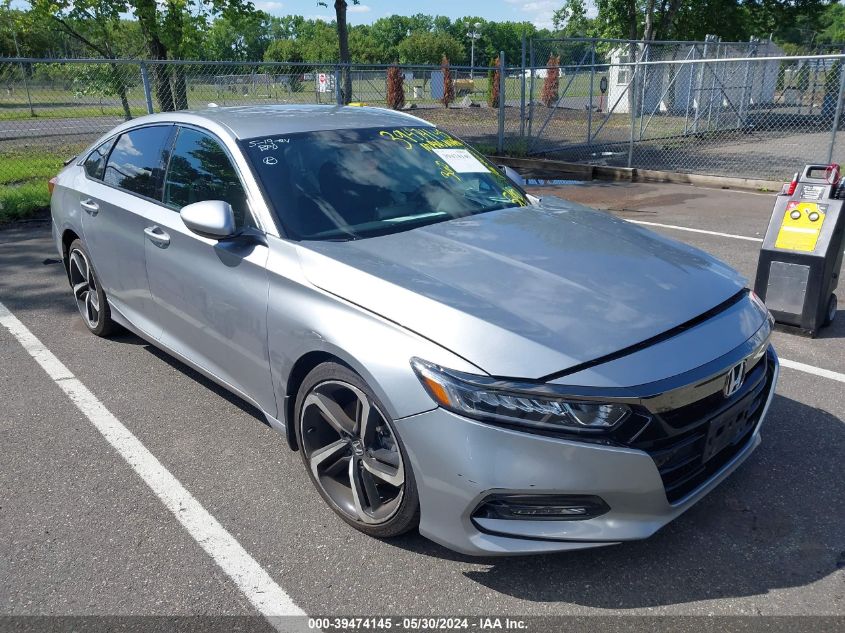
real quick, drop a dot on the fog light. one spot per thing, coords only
(541, 507)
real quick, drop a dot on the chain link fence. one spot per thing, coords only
(709, 107)
(716, 108)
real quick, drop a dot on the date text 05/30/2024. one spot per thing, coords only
(482, 623)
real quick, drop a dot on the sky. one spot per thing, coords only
(538, 11)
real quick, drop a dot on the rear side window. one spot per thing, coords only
(137, 161)
(201, 170)
(95, 164)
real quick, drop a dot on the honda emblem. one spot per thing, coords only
(734, 379)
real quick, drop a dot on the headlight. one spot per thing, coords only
(486, 398)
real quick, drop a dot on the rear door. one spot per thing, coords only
(211, 296)
(120, 192)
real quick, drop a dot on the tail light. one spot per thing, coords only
(51, 184)
(789, 188)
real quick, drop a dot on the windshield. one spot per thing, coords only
(351, 184)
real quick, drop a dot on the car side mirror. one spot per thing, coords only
(512, 174)
(210, 218)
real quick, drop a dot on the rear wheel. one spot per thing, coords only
(89, 295)
(352, 453)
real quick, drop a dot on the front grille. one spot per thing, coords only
(680, 442)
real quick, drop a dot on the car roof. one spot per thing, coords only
(259, 120)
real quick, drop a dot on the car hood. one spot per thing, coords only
(526, 292)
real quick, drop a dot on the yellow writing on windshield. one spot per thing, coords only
(426, 138)
(446, 171)
(514, 196)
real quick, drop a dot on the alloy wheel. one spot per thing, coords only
(352, 453)
(84, 285)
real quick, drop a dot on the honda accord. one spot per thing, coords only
(506, 373)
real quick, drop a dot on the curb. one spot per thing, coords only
(544, 168)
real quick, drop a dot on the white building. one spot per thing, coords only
(680, 88)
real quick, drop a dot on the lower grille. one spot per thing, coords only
(691, 444)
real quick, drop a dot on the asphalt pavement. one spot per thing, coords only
(84, 535)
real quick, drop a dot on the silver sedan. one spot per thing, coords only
(505, 373)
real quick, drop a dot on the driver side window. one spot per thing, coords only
(201, 170)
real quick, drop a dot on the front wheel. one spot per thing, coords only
(352, 453)
(831, 310)
(89, 295)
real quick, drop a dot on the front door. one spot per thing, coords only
(210, 296)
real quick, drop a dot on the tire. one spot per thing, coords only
(831, 311)
(336, 445)
(87, 291)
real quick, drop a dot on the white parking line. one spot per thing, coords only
(256, 584)
(686, 228)
(811, 369)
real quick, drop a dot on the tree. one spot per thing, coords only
(648, 29)
(241, 37)
(832, 23)
(551, 84)
(425, 47)
(287, 51)
(170, 29)
(340, 7)
(94, 24)
(571, 19)
(395, 88)
(448, 86)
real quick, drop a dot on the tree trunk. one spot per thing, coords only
(633, 27)
(667, 25)
(120, 88)
(146, 13)
(180, 88)
(343, 41)
(633, 49)
(161, 82)
(648, 33)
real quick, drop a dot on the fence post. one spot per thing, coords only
(644, 86)
(745, 101)
(838, 112)
(522, 92)
(500, 146)
(145, 81)
(531, 91)
(338, 92)
(633, 101)
(592, 87)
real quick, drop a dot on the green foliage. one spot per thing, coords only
(235, 30)
(832, 23)
(242, 37)
(98, 80)
(19, 202)
(426, 47)
(23, 181)
(571, 20)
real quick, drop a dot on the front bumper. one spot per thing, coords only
(459, 462)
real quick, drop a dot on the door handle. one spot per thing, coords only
(89, 206)
(157, 236)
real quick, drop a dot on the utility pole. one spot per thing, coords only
(473, 35)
